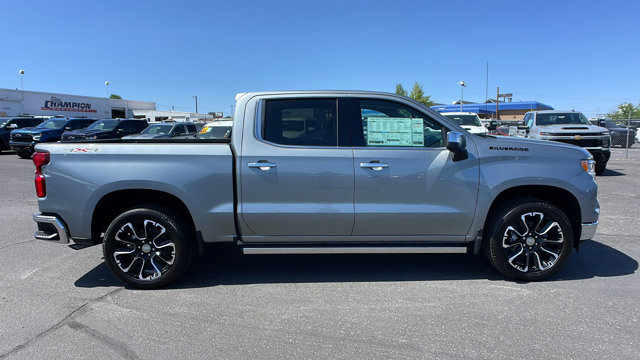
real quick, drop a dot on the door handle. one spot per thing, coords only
(262, 165)
(374, 165)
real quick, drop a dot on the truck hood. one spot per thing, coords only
(31, 130)
(475, 129)
(146, 136)
(572, 128)
(86, 132)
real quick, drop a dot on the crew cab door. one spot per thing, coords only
(406, 182)
(296, 177)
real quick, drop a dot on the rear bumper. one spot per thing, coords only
(588, 230)
(51, 228)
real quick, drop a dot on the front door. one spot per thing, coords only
(406, 182)
(296, 178)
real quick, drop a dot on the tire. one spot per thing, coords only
(146, 263)
(528, 239)
(600, 168)
(24, 154)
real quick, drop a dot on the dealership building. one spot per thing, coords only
(18, 102)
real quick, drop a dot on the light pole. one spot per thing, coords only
(106, 89)
(462, 86)
(21, 72)
(196, 103)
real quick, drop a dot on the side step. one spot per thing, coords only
(357, 250)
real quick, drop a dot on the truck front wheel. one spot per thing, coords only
(528, 239)
(148, 247)
(600, 168)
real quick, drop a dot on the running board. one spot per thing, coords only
(357, 250)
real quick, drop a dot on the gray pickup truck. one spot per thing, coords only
(320, 172)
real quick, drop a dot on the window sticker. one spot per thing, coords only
(388, 131)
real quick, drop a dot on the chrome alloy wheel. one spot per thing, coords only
(534, 243)
(144, 252)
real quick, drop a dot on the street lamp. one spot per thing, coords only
(21, 72)
(106, 89)
(196, 97)
(462, 86)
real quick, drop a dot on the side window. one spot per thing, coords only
(305, 122)
(191, 129)
(389, 124)
(530, 121)
(178, 130)
(75, 124)
(23, 122)
(127, 127)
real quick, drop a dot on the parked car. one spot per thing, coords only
(468, 121)
(179, 130)
(107, 129)
(620, 135)
(8, 124)
(23, 140)
(220, 129)
(569, 127)
(292, 179)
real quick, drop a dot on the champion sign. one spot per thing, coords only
(57, 104)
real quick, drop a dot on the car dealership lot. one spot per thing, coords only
(58, 302)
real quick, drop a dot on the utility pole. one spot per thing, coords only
(497, 101)
(196, 97)
(462, 86)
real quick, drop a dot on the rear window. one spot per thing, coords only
(303, 122)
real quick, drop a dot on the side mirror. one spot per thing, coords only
(68, 128)
(12, 126)
(493, 126)
(457, 144)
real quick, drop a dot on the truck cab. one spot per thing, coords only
(569, 127)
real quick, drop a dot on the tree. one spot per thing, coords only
(624, 110)
(400, 90)
(114, 96)
(417, 94)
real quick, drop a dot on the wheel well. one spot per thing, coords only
(115, 203)
(560, 198)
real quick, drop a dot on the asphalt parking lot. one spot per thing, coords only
(56, 302)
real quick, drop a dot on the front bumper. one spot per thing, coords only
(51, 228)
(21, 146)
(588, 230)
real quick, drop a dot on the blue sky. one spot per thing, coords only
(580, 55)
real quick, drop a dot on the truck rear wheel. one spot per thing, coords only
(148, 247)
(528, 239)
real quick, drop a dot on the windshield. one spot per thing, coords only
(53, 124)
(561, 119)
(107, 125)
(469, 120)
(215, 132)
(157, 129)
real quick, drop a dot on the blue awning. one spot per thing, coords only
(490, 108)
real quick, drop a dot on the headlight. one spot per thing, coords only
(36, 137)
(93, 137)
(589, 166)
(606, 140)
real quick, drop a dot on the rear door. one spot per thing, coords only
(406, 182)
(297, 171)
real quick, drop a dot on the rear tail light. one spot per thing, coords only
(39, 160)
